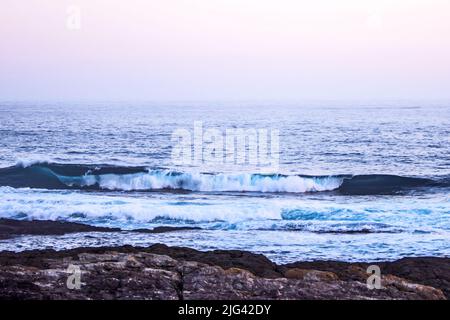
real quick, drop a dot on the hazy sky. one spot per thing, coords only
(224, 49)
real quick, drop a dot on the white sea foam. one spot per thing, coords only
(276, 245)
(225, 212)
(30, 161)
(245, 182)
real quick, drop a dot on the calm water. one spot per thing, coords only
(355, 181)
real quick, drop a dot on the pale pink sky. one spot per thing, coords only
(225, 49)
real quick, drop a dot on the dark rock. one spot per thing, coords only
(10, 228)
(143, 275)
(430, 271)
(164, 229)
(258, 264)
(311, 275)
(161, 272)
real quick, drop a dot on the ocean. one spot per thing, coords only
(353, 181)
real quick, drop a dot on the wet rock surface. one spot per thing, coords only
(161, 272)
(430, 271)
(10, 228)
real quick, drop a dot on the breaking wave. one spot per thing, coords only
(105, 177)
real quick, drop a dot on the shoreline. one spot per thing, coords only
(10, 228)
(162, 272)
(167, 273)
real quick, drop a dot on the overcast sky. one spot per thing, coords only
(224, 49)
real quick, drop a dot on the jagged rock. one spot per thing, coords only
(258, 264)
(311, 275)
(426, 292)
(429, 271)
(10, 228)
(144, 275)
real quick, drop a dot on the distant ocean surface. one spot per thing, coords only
(355, 182)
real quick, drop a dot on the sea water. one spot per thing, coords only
(355, 181)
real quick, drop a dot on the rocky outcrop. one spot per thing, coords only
(312, 275)
(10, 228)
(431, 271)
(428, 271)
(133, 273)
(258, 264)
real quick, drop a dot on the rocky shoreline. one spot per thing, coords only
(10, 228)
(161, 272)
(173, 273)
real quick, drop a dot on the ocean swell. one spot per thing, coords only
(104, 177)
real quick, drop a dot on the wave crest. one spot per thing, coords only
(105, 177)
